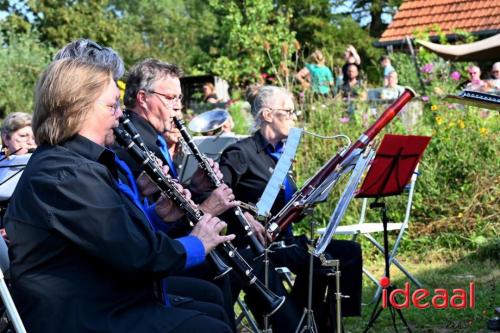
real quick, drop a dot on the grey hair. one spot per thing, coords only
(144, 75)
(95, 54)
(13, 122)
(263, 99)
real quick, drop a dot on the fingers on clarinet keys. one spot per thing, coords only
(208, 231)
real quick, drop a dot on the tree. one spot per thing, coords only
(22, 59)
(253, 37)
(370, 12)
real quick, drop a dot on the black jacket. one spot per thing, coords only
(83, 256)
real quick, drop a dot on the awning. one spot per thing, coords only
(484, 50)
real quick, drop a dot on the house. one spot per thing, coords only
(479, 17)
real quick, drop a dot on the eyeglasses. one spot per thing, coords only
(289, 112)
(171, 98)
(113, 107)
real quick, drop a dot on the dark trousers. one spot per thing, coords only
(295, 256)
(202, 324)
(223, 296)
(197, 294)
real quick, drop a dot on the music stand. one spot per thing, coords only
(392, 168)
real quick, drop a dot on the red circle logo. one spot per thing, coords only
(385, 282)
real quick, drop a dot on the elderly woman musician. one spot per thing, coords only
(18, 144)
(84, 256)
(247, 167)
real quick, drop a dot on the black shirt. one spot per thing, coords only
(247, 167)
(83, 256)
(148, 134)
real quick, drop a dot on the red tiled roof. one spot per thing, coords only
(449, 15)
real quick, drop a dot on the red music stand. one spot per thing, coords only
(392, 168)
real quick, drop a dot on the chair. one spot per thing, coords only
(10, 307)
(368, 228)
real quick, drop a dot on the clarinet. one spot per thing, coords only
(203, 163)
(294, 210)
(270, 300)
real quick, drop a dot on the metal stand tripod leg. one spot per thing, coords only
(308, 315)
(376, 310)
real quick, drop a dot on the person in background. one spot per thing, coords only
(18, 143)
(385, 61)
(392, 90)
(351, 56)
(475, 82)
(352, 87)
(209, 94)
(317, 75)
(494, 81)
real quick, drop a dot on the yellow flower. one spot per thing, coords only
(460, 215)
(461, 124)
(483, 131)
(439, 120)
(121, 86)
(434, 107)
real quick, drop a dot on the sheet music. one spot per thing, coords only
(280, 171)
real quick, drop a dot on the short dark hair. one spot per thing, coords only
(143, 75)
(384, 57)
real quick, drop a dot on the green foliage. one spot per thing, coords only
(456, 201)
(253, 37)
(20, 64)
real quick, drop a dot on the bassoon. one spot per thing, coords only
(167, 186)
(295, 209)
(204, 164)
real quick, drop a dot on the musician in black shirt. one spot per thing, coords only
(84, 257)
(247, 167)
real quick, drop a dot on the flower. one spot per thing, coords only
(427, 68)
(425, 98)
(455, 76)
(461, 124)
(483, 131)
(434, 107)
(344, 120)
(439, 120)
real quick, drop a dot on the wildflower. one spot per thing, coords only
(425, 98)
(344, 120)
(439, 120)
(434, 107)
(427, 68)
(460, 215)
(284, 48)
(267, 46)
(264, 75)
(483, 131)
(461, 124)
(455, 76)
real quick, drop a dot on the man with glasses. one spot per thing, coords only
(247, 166)
(152, 98)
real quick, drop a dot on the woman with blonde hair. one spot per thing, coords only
(316, 74)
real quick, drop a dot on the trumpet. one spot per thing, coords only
(270, 300)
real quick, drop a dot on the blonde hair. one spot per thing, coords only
(66, 91)
(318, 57)
(14, 122)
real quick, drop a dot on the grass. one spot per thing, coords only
(436, 270)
